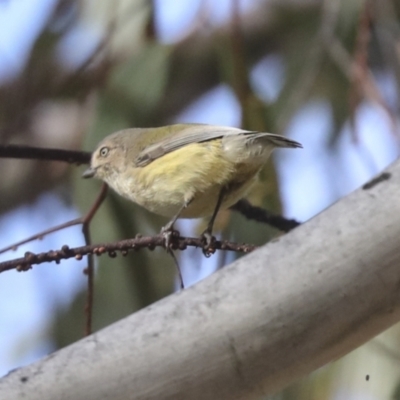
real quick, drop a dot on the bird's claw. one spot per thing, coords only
(209, 240)
(168, 232)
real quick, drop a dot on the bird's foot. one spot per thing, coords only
(208, 239)
(169, 233)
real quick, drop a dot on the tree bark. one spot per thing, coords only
(272, 317)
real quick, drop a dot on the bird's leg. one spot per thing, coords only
(170, 226)
(207, 234)
(168, 229)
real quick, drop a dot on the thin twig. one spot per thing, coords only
(90, 268)
(360, 74)
(40, 235)
(41, 153)
(89, 271)
(98, 202)
(172, 254)
(181, 243)
(370, 89)
(260, 215)
(81, 220)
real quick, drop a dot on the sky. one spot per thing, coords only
(332, 173)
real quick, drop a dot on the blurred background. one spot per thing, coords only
(323, 72)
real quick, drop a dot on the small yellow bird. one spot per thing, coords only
(184, 170)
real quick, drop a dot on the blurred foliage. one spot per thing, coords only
(131, 78)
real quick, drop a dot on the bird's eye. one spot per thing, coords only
(104, 151)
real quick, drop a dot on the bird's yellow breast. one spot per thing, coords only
(193, 174)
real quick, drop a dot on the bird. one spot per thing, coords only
(184, 170)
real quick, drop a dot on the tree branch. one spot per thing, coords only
(42, 153)
(181, 243)
(252, 328)
(259, 214)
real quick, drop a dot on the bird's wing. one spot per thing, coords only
(183, 135)
(196, 133)
(274, 139)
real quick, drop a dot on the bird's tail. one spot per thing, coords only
(277, 140)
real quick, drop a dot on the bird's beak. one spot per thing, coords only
(89, 173)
